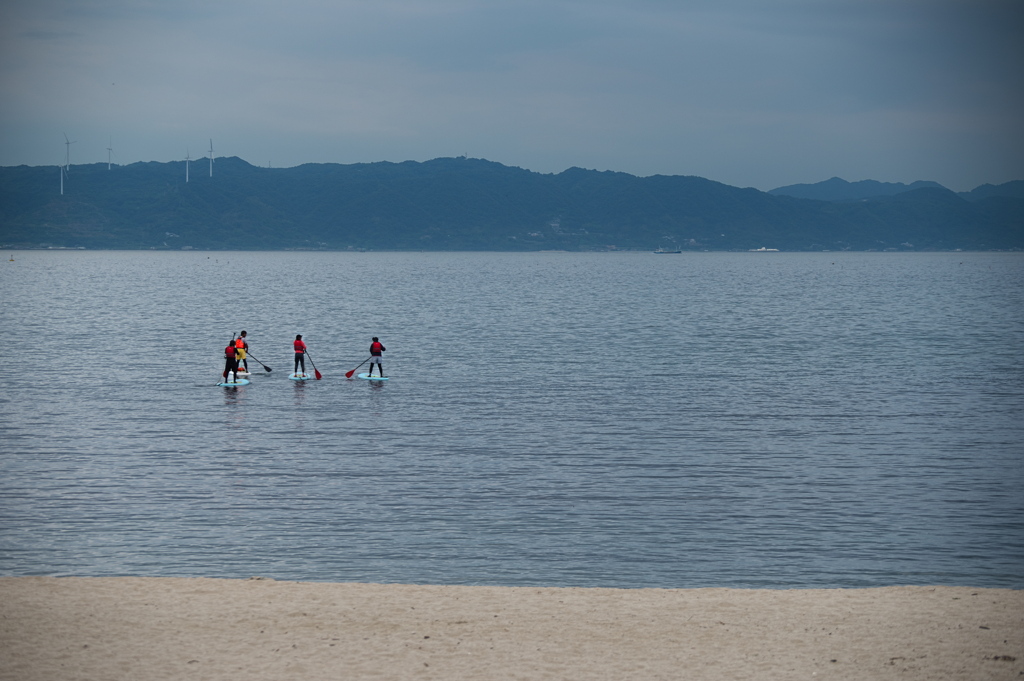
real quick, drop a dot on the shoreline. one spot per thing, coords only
(200, 628)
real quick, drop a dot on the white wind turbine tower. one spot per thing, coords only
(211, 157)
(187, 159)
(67, 161)
(110, 152)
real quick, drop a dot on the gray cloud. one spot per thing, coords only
(746, 92)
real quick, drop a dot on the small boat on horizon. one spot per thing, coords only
(662, 250)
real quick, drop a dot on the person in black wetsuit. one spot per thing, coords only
(230, 362)
(300, 354)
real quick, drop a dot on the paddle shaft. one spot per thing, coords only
(349, 374)
(316, 371)
(249, 354)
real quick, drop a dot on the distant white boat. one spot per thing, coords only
(662, 250)
(764, 250)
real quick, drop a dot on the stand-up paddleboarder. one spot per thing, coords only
(242, 351)
(230, 362)
(300, 354)
(376, 348)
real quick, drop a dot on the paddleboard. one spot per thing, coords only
(240, 381)
(245, 373)
(368, 377)
(301, 377)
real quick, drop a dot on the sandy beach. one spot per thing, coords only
(256, 629)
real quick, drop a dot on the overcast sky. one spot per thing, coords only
(759, 93)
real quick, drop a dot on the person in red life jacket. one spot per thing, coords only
(376, 347)
(300, 354)
(241, 351)
(230, 363)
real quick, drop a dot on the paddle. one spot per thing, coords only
(348, 374)
(262, 364)
(315, 370)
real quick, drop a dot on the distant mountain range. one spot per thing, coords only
(838, 189)
(474, 204)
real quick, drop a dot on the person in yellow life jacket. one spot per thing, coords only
(376, 348)
(241, 345)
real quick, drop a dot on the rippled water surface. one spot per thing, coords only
(630, 419)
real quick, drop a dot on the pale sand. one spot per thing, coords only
(145, 628)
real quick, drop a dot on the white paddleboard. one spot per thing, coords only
(301, 377)
(368, 377)
(238, 381)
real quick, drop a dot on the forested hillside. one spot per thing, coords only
(468, 204)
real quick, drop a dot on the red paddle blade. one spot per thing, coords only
(317, 372)
(348, 374)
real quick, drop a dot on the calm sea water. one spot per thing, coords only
(621, 420)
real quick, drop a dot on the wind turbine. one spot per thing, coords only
(110, 152)
(67, 152)
(211, 157)
(187, 159)
(67, 162)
